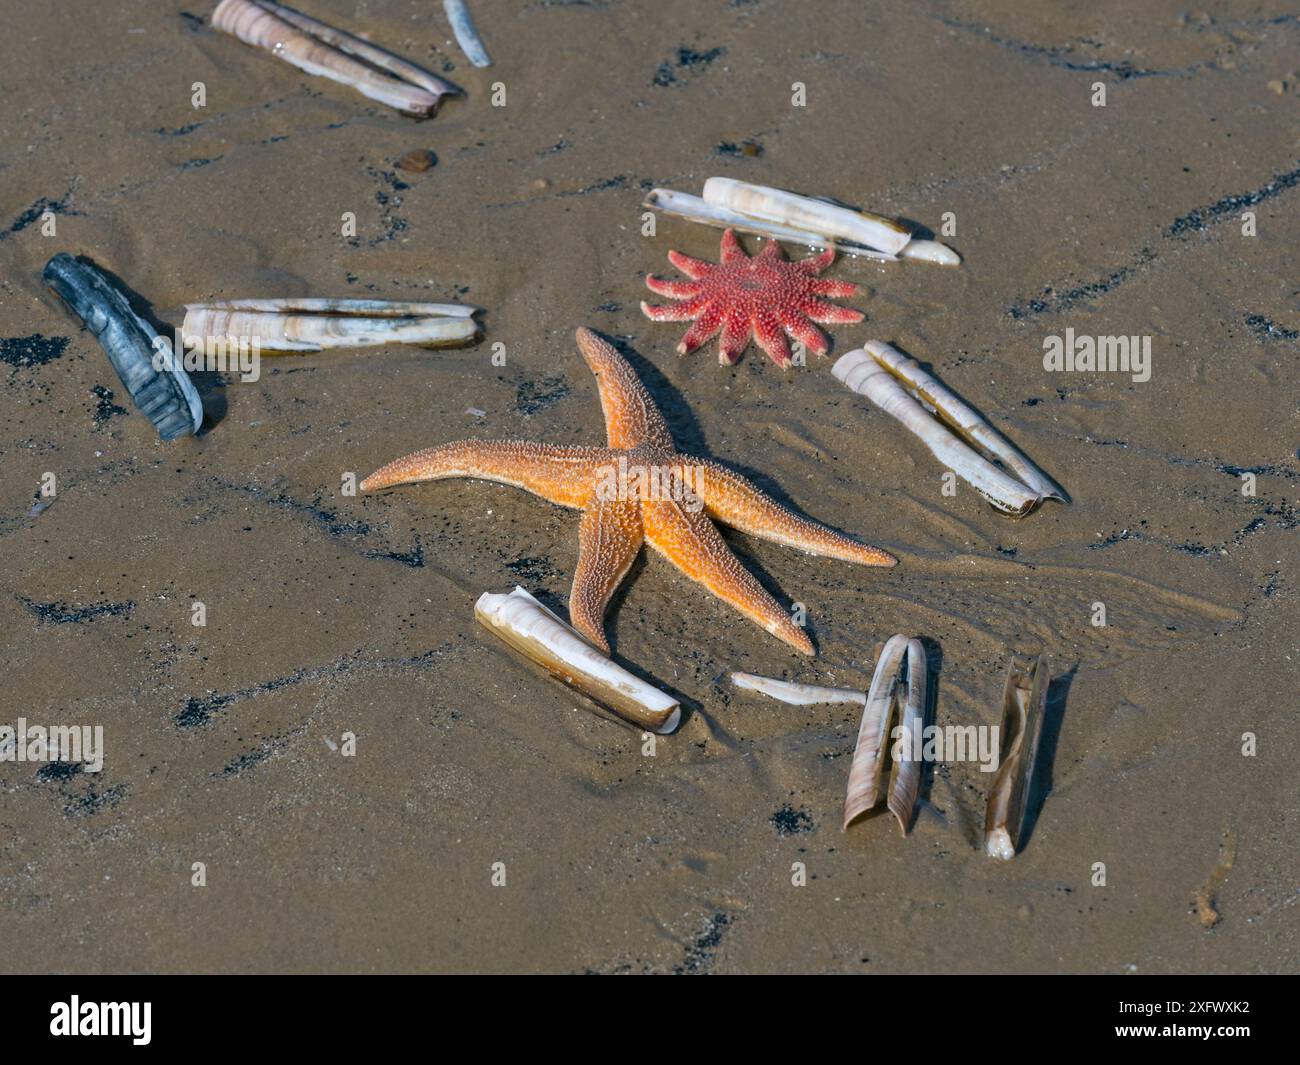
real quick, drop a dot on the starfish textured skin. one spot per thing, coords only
(620, 512)
(765, 297)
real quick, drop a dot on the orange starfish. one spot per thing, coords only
(639, 488)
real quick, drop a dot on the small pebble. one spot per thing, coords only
(417, 161)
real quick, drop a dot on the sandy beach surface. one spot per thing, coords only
(329, 614)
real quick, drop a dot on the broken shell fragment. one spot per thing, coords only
(158, 384)
(889, 386)
(930, 251)
(540, 636)
(417, 161)
(812, 215)
(1024, 702)
(332, 53)
(890, 689)
(313, 324)
(466, 35)
(794, 693)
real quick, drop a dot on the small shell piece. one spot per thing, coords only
(871, 377)
(466, 35)
(1024, 703)
(536, 633)
(331, 53)
(890, 689)
(314, 324)
(930, 251)
(796, 694)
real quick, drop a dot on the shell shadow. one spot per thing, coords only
(689, 706)
(1040, 784)
(929, 713)
(208, 383)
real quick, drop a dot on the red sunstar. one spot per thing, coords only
(764, 297)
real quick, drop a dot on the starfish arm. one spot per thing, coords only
(675, 312)
(631, 417)
(771, 251)
(799, 327)
(692, 268)
(677, 290)
(771, 338)
(826, 286)
(731, 247)
(829, 314)
(691, 543)
(735, 337)
(817, 263)
(734, 501)
(703, 329)
(561, 475)
(608, 541)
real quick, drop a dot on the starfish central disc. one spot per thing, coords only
(765, 297)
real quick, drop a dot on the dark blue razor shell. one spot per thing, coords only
(158, 384)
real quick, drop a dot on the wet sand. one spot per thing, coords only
(329, 614)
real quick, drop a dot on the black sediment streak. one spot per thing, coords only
(198, 712)
(1229, 207)
(92, 801)
(237, 765)
(619, 182)
(533, 570)
(1066, 59)
(330, 522)
(1266, 330)
(532, 396)
(1051, 300)
(788, 821)
(686, 59)
(105, 408)
(413, 558)
(36, 211)
(179, 131)
(1271, 469)
(18, 353)
(62, 614)
(700, 954)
